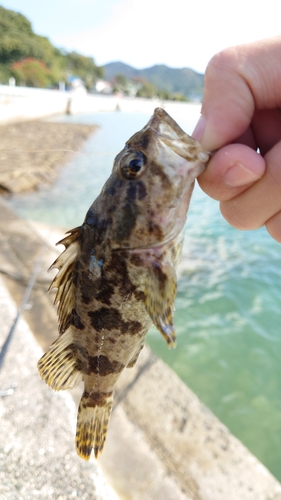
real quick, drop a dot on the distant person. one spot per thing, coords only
(240, 114)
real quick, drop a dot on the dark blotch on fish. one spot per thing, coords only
(76, 320)
(105, 294)
(141, 190)
(111, 319)
(102, 366)
(97, 398)
(157, 170)
(126, 221)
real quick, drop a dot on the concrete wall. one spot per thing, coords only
(23, 103)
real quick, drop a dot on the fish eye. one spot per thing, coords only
(132, 164)
(135, 165)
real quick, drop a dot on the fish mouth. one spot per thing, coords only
(171, 134)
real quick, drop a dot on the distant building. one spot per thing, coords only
(103, 87)
(77, 85)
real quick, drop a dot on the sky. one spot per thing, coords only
(178, 33)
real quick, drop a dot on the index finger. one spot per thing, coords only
(238, 80)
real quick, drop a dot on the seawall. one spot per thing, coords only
(23, 103)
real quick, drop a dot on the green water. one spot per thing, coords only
(228, 304)
(228, 328)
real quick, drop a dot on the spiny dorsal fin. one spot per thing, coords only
(65, 295)
(160, 294)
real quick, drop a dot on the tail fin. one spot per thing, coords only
(92, 423)
(58, 366)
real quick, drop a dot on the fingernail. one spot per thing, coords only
(238, 175)
(199, 129)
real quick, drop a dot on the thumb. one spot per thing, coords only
(228, 104)
(238, 80)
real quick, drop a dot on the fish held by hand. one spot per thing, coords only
(117, 274)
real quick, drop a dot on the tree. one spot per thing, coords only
(146, 90)
(31, 72)
(18, 42)
(84, 67)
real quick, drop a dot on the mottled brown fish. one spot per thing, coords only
(117, 273)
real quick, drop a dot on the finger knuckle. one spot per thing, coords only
(236, 216)
(222, 62)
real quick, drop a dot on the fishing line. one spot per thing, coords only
(19, 151)
(22, 307)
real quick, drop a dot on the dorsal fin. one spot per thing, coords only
(63, 281)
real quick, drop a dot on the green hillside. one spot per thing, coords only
(171, 80)
(32, 59)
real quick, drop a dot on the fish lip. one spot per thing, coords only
(172, 135)
(163, 124)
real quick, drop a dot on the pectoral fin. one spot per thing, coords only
(160, 294)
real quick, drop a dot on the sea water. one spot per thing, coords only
(228, 307)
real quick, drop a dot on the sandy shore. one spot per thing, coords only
(31, 152)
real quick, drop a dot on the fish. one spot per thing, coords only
(117, 274)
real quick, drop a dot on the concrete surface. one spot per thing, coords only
(162, 441)
(37, 456)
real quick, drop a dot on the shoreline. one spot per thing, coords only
(32, 149)
(24, 103)
(32, 152)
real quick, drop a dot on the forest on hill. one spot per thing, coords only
(32, 59)
(175, 82)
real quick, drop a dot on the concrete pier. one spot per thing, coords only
(37, 456)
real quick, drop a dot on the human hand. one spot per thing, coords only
(240, 113)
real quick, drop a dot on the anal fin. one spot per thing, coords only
(58, 366)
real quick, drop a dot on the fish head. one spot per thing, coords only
(147, 195)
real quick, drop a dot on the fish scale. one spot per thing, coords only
(117, 274)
